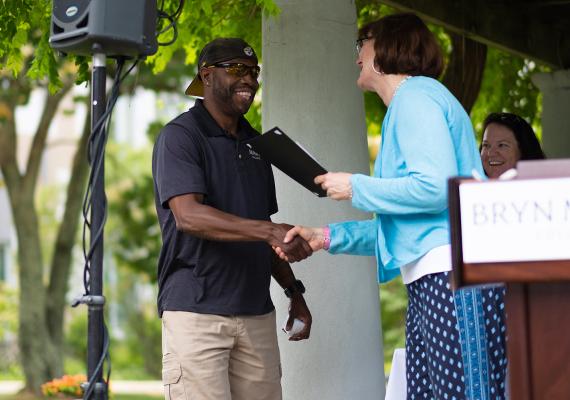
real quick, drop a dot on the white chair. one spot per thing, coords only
(396, 388)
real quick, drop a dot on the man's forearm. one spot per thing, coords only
(198, 219)
(210, 223)
(282, 272)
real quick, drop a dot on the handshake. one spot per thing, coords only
(295, 243)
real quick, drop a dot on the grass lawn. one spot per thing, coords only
(113, 397)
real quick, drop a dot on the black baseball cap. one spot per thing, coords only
(217, 51)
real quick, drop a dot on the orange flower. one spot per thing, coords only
(69, 385)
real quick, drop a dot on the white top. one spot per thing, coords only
(434, 261)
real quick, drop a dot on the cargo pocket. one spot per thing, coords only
(172, 378)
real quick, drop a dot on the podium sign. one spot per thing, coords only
(510, 231)
(523, 220)
(518, 232)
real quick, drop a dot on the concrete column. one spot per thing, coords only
(555, 88)
(309, 91)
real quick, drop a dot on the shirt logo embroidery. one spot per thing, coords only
(255, 155)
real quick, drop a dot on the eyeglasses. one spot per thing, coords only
(239, 69)
(360, 42)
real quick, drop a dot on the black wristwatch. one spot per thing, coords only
(296, 287)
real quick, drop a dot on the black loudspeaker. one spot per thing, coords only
(111, 27)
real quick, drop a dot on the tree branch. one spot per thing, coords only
(40, 137)
(8, 142)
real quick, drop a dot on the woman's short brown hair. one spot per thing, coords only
(404, 45)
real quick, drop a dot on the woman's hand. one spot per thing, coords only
(314, 236)
(337, 185)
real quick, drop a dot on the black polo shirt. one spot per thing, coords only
(194, 155)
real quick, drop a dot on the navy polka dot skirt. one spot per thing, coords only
(455, 342)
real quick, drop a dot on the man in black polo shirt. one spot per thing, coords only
(214, 198)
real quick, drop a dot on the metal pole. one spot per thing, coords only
(95, 325)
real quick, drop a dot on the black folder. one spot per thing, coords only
(290, 157)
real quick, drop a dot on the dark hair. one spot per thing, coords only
(404, 45)
(524, 134)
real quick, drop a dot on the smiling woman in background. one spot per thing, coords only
(507, 138)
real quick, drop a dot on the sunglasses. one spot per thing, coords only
(238, 69)
(360, 42)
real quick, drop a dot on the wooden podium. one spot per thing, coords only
(518, 232)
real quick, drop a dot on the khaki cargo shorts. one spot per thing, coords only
(215, 357)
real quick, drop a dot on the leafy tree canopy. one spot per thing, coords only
(25, 30)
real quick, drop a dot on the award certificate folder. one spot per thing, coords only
(290, 157)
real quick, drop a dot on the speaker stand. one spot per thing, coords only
(95, 325)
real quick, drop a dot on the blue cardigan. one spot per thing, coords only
(427, 137)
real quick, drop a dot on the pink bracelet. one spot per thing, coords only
(326, 237)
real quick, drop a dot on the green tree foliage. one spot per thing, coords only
(393, 302)
(507, 87)
(26, 21)
(76, 332)
(8, 311)
(203, 20)
(134, 232)
(8, 326)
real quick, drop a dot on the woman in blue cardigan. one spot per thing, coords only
(454, 341)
